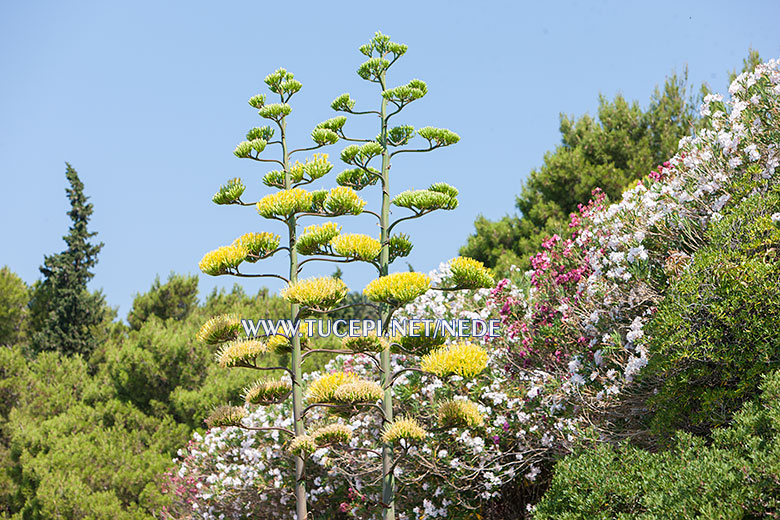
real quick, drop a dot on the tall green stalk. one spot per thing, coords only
(382, 54)
(388, 474)
(284, 206)
(296, 359)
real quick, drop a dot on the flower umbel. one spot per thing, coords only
(219, 329)
(316, 293)
(462, 359)
(459, 414)
(222, 260)
(402, 428)
(397, 288)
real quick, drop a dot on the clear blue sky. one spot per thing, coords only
(148, 99)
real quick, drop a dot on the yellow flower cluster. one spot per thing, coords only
(284, 203)
(267, 391)
(462, 359)
(459, 414)
(397, 288)
(332, 434)
(302, 445)
(318, 166)
(317, 293)
(357, 392)
(221, 260)
(402, 428)
(343, 201)
(314, 237)
(362, 247)
(257, 244)
(321, 390)
(468, 273)
(239, 352)
(226, 416)
(219, 329)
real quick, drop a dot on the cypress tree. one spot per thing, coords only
(63, 312)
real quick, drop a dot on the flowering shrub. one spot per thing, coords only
(579, 338)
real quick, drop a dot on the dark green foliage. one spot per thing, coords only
(619, 146)
(63, 313)
(716, 333)
(737, 476)
(174, 299)
(88, 439)
(162, 368)
(14, 297)
(70, 449)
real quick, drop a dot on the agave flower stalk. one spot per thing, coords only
(392, 291)
(304, 296)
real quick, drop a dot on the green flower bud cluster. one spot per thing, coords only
(399, 246)
(334, 124)
(358, 178)
(372, 69)
(261, 132)
(405, 94)
(399, 135)
(324, 136)
(275, 111)
(314, 168)
(343, 103)
(230, 192)
(364, 343)
(382, 45)
(426, 200)
(282, 82)
(438, 136)
(244, 149)
(422, 344)
(361, 155)
(468, 273)
(257, 101)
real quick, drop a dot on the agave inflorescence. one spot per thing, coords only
(342, 393)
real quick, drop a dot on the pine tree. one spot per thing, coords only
(63, 312)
